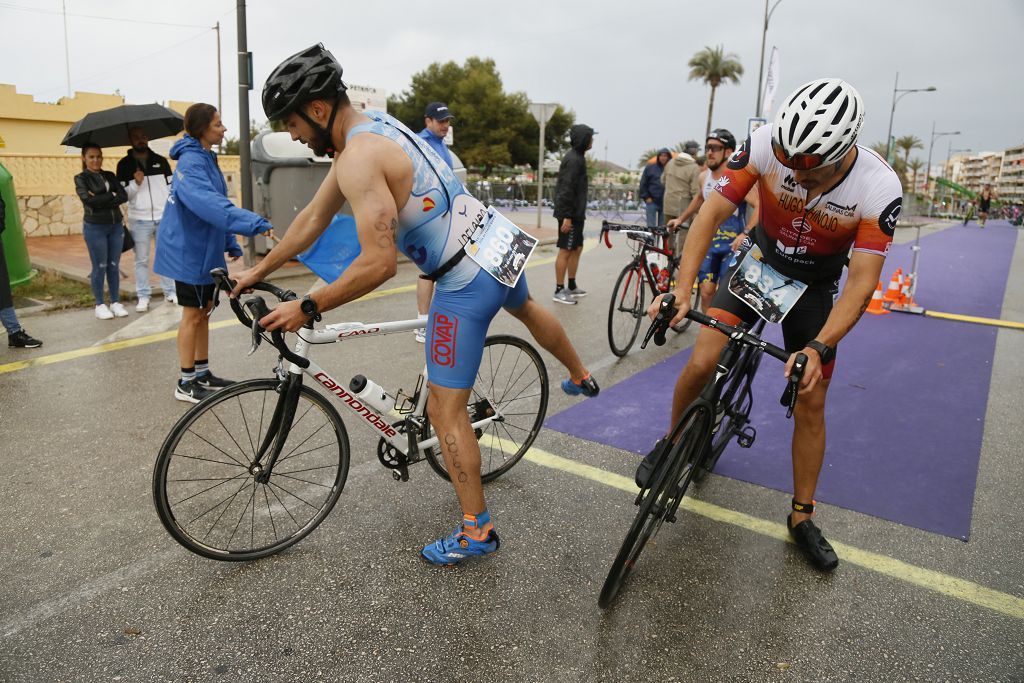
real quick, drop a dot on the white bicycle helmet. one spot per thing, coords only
(818, 124)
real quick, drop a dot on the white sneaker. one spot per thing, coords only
(421, 336)
(103, 313)
(118, 310)
(171, 298)
(142, 306)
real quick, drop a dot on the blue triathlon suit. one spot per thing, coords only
(432, 227)
(718, 259)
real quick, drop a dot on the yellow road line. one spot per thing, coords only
(161, 336)
(928, 579)
(973, 319)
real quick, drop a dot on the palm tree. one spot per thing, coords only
(908, 143)
(714, 67)
(915, 165)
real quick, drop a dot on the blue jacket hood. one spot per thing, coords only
(185, 144)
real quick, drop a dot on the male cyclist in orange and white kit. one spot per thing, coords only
(821, 195)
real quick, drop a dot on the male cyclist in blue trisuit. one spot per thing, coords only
(720, 145)
(405, 198)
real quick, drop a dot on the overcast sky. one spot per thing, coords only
(621, 66)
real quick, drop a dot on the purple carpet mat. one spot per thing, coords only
(906, 407)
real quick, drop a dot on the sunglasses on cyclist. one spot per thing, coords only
(799, 161)
(714, 148)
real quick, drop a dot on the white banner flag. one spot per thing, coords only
(771, 83)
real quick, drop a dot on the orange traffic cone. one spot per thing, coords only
(875, 307)
(906, 298)
(892, 294)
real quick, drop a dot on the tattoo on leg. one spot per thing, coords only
(453, 450)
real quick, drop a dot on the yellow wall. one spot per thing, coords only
(30, 127)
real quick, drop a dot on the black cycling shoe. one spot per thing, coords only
(813, 545)
(647, 465)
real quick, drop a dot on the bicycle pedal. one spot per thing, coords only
(745, 438)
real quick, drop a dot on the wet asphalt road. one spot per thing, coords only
(95, 590)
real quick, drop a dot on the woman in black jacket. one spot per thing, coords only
(102, 196)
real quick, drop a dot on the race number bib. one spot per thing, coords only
(501, 248)
(770, 293)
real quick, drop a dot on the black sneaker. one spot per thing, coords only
(21, 340)
(208, 380)
(190, 392)
(647, 465)
(813, 545)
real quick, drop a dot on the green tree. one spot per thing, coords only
(915, 165)
(492, 127)
(714, 67)
(908, 143)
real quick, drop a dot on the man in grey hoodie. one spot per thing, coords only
(681, 179)
(570, 211)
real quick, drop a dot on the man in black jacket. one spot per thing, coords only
(570, 211)
(16, 336)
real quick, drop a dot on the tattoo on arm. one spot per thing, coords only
(386, 232)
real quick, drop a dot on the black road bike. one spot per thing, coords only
(626, 309)
(700, 435)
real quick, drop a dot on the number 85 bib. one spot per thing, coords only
(501, 248)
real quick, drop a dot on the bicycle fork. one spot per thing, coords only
(279, 428)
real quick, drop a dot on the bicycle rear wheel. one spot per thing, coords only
(513, 382)
(671, 478)
(204, 482)
(626, 309)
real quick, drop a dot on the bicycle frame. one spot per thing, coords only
(640, 257)
(407, 444)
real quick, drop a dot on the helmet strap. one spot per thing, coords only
(326, 132)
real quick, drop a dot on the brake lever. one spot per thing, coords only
(257, 309)
(792, 389)
(666, 311)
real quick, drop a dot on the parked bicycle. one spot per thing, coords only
(256, 467)
(626, 308)
(691, 445)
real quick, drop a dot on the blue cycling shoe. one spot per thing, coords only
(459, 546)
(587, 387)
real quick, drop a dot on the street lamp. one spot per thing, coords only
(764, 33)
(895, 99)
(928, 170)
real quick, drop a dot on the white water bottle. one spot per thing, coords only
(372, 394)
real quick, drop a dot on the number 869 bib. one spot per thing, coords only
(501, 248)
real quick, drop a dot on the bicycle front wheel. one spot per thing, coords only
(205, 485)
(671, 478)
(512, 383)
(626, 310)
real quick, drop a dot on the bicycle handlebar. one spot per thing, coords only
(258, 308)
(607, 227)
(667, 311)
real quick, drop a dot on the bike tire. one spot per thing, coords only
(207, 442)
(671, 477)
(626, 309)
(513, 378)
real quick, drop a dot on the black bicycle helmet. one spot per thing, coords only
(723, 136)
(308, 75)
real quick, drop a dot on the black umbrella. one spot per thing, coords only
(109, 128)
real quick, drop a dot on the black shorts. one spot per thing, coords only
(802, 323)
(572, 239)
(193, 296)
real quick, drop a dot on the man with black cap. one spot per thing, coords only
(436, 122)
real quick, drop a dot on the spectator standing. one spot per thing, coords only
(681, 179)
(17, 337)
(198, 227)
(437, 120)
(570, 212)
(146, 177)
(103, 228)
(652, 192)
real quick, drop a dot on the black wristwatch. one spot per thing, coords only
(308, 307)
(825, 352)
